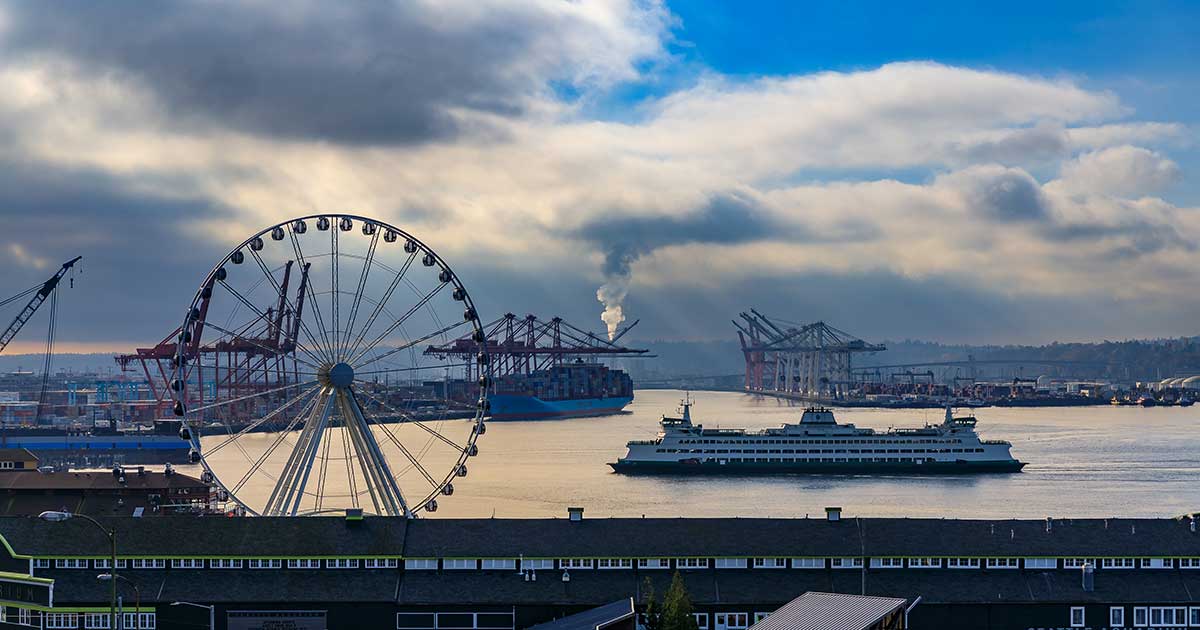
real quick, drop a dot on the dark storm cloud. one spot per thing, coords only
(368, 72)
(1138, 238)
(1012, 195)
(1043, 142)
(140, 266)
(725, 219)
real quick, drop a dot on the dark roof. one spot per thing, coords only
(754, 537)
(767, 588)
(625, 537)
(207, 536)
(631, 538)
(98, 481)
(830, 611)
(594, 619)
(16, 455)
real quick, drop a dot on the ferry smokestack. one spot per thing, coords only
(833, 514)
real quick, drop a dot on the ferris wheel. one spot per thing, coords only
(304, 376)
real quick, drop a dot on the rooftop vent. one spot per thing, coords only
(1193, 524)
(575, 513)
(1089, 577)
(1049, 523)
(833, 514)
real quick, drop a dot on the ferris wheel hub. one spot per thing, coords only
(340, 375)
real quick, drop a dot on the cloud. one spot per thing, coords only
(371, 73)
(1126, 171)
(21, 257)
(214, 119)
(998, 193)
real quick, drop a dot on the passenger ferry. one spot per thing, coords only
(818, 444)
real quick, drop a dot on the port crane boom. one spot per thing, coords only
(39, 295)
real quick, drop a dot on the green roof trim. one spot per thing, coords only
(22, 577)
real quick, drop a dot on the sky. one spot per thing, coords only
(1022, 173)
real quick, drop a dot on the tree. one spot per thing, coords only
(677, 607)
(652, 615)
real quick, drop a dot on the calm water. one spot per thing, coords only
(1089, 461)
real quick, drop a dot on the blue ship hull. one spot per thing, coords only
(101, 450)
(513, 407)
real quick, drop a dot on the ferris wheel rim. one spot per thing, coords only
(440, 485)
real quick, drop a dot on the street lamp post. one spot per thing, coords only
(57, 517)
(212, 612)
(137, 598)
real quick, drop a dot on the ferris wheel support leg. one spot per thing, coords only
(394, 502)
(361, 456)
(281, 494)
(310, 454)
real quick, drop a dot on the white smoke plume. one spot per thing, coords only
(618, 273)
(612, 295)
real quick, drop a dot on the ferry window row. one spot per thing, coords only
(513, 564)
(788, 451)
(865, 441)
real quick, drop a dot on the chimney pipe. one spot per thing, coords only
(1049, 523)
(1089, 578)
(1193, 524)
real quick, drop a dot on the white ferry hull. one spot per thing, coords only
(725, 467)
(817, 445)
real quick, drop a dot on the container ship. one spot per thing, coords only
(817, 444)
(565, 391)
(544, 369)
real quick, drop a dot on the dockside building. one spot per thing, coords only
(501, 574)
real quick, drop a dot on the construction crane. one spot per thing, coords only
(40, 294)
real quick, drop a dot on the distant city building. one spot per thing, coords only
(17, 459)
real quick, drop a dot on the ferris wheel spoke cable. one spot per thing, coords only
(398, 323)
(410, 420)
(362, 285)
(312, 296)
(334, 297)
(287, 302)
(379, 306)
(304, 411)
(410, 344)
(257, 423)
(255, 395)
(241, 298)
(413, 460)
